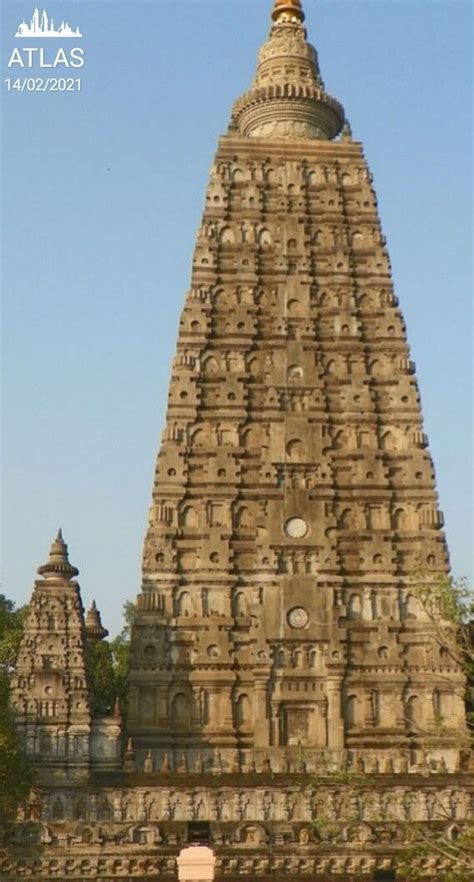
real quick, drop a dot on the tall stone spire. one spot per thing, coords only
(287, 98)
(294, 496)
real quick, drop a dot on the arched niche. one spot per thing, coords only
(242, 711)
(253, 835)
(351, 711)
(142, 835)
(210, 365)
(411, 607)
(388, 442)
(253, 366)
(413, 710)
(251, 436)
(243, 519)
(180, 712)
(80, 809)
(57, 810)
(240, 604)
(198, 438)
(295, 307)
(183, 604)
(295, 449)
(45, 743)
(357, 239)
(346, 519)
(294, 372)
(149, 653)
(399, 519)
(264, 237)
(221, 297)
(189, 517)
(227, 236)
(105, 810)
(354, 607)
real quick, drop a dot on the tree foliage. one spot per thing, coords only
(455, 851)
(11, 630)
(108, 665)
(15, 775)
(448, 604)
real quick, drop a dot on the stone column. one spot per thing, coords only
(261, 731)
(335, 724)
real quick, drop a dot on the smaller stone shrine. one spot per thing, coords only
(50, 692)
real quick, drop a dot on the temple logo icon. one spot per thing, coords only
(42, 26)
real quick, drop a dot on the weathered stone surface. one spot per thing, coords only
(283, 669)
(294, 495)
(50, 690)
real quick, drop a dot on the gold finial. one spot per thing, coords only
(288, 9)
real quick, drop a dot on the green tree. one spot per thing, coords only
(108, 665)
(121, 655)
(15, 774)
(11, 630)
(101, 675)
(448, 604)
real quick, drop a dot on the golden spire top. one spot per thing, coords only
(288, 10)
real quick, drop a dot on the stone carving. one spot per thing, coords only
(296, 528)
(298, 617)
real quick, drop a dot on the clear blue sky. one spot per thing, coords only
(103, 192)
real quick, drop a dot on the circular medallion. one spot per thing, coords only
(298, 617)
(296, 528)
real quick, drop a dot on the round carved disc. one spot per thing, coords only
(296, 528)
(298, 617)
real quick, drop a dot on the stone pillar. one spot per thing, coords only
(335, 724)
(261, 731)
(196, 864)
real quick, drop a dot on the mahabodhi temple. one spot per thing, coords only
(287, 682)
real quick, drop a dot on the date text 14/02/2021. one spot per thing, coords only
(33, 56)
(43, 84)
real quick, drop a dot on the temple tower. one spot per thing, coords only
(294, 504)
(51, 695)
(50, 690)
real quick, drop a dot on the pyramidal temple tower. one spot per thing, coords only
(50, 690)
(290, 703)
(294, 498)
